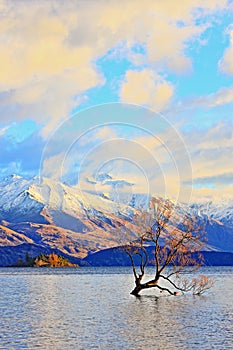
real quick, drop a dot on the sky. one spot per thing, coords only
(119, 96)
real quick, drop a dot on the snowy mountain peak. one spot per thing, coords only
(52, 213)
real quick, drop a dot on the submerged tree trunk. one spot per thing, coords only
(151, 284)
(136, 290)
(141, 286)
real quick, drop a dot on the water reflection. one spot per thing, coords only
(47, 318)
(58, 310)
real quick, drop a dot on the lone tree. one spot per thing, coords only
(176, 248)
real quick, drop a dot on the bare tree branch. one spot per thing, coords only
(175, 241)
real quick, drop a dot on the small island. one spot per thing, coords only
(44, 260)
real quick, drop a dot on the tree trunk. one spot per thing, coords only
(136, 290)
(142, 286)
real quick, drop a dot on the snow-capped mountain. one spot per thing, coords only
(22, 200)
(221, 211)
(52, 215)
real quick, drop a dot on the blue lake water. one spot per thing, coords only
(91, 308)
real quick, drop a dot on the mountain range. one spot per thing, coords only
(44, 215)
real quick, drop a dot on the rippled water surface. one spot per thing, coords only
(91, 308)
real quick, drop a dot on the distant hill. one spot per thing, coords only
(117, 257)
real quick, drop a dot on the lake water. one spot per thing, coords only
(91, 308)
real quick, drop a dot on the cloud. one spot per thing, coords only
(146, 88)
(3, 130)
(218, 137)
(140, 147)
(117, 183)
(211, 162)
(103, 179)
(203, 110)
(48, 100)
(226, 62)
(52, 166)
(164, 28)
(218, 194)
(211, 152)
(21, 157)
(48, 51)
(221, 97)
(49, 54)
(220, 179)
(104, 132)
(137, 164)
(90, 181)
(40, 72)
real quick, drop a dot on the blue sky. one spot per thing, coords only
(59, 58)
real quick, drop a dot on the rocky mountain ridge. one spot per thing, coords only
(49, 216)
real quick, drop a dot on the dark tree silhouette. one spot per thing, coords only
(176, 242)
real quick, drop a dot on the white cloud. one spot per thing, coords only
(211, 153)
(221, 97)
(147, 88)
(40, 72)
(47, 58)
(52, 167)
(226, 62)
(218, 137)
(216, 194)
(48, 49)
(4, 129)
